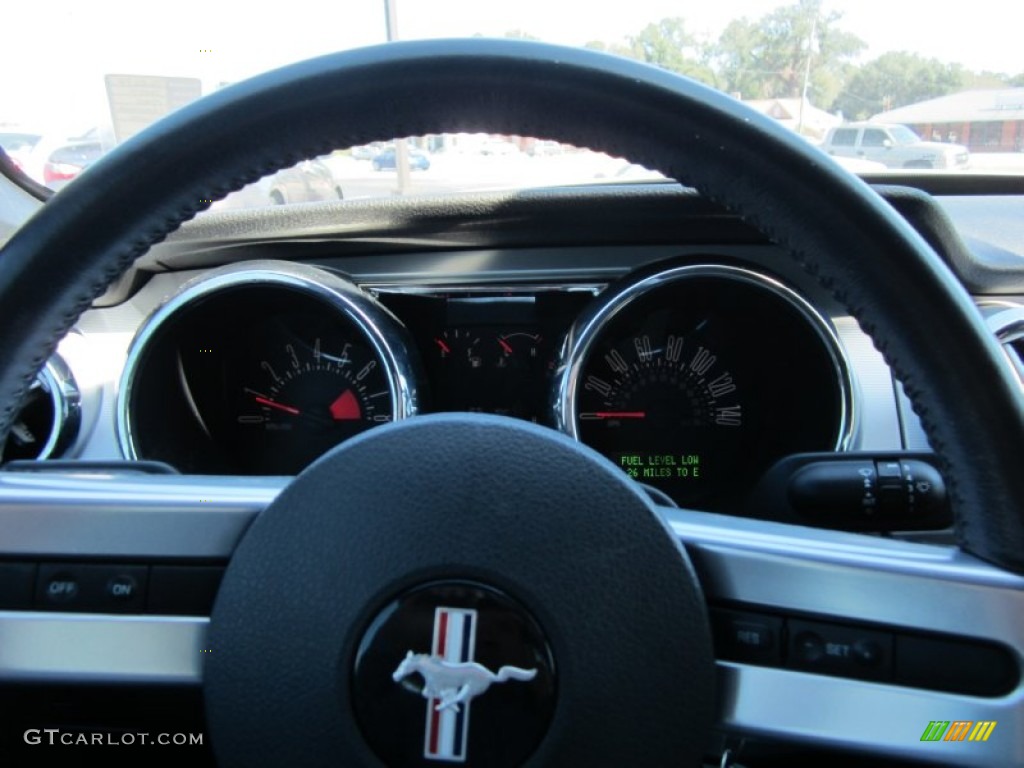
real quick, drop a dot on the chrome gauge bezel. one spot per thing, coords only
(1006, 321)
(588, 328)
(57, 381)
(67, 406)
(383, 332)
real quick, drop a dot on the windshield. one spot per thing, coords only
(829, 70)
(903, 136)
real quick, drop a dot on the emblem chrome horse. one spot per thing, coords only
(453, 683)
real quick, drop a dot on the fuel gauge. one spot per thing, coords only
(459, 349)
(488, 369)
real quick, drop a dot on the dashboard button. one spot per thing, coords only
(750, 637)
(122, 588)
(808, 648)
(867, 653)
(58, 588)
(117, 588)
(836, 649)
(88, 587)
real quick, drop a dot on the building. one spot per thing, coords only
(816, 122)
(986, 120)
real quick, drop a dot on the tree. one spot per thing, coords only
(896, 79)
(984, 79)
(768, 58)
(1017, 81)
(668, 45)
(518, 34)
(617, 48)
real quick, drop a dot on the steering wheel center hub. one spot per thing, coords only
(338, 594)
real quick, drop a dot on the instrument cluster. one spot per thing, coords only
(692, 378)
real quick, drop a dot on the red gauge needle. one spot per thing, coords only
(506, 346)
(279, 406)
(444, 347)
(615, 415)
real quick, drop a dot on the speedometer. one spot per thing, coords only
(696, 379)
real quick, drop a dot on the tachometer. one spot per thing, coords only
(306, 396)
(696, 379)
(259, 369)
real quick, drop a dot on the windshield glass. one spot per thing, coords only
(904, 136)
(860, 80)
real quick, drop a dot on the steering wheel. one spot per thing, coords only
(605, 645)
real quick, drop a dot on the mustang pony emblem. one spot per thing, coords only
(452, 683)
(451, 678)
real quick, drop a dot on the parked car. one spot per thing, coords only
(895, 146)
(18, 145)
(310, 181)
(545, 148)
(363, 152)
(307, 182)
(385, 160)
(58, 158)
(498, 147)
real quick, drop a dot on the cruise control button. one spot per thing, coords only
(122, 588)
(91, 587)
(868, 653)
(743, 636)
(838, 649)
(808, 647)
(60, 589)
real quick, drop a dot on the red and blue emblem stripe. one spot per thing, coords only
(455, 641)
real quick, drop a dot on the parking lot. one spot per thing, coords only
(452, 171)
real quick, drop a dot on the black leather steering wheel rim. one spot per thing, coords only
(835, 226)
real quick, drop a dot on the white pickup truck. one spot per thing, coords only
(895, 146)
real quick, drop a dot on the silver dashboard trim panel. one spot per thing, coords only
(132, 516)
(773, 704)
(97, 648)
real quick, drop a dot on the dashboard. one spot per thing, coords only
(692, 366)
(670, 337)
(638, 319)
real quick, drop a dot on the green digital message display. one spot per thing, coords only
(661, 466)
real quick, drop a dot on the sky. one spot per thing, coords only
(52, 71)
